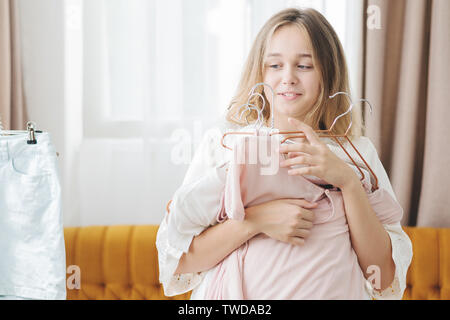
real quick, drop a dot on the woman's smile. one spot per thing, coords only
(289, 96)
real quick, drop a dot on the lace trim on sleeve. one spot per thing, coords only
(168, 258)
(402, 255)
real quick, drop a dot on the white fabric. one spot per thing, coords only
(32, 249)
(208, 164)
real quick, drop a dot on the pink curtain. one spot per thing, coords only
(12, 102)
(406, 78)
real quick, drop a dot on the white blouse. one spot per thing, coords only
(174, 238)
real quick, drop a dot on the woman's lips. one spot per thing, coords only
(289, 96)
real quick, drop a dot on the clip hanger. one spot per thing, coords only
(31, 132)
(31, 135)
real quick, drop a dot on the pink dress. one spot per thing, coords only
(325, 267)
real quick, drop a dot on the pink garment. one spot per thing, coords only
(326, 267)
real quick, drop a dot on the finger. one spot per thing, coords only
(307, 130)
(303, 159)
(301, 233)
(302, 203)
(305, 224)
(307, 215)
(298, 147)
(311, 171)
(294, 154)
(297, 138)
(296, 241)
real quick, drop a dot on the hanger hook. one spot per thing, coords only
(31, 125)
(368, 102)
(343, 114)
(349, 109)
(249, 107)
(272, 106)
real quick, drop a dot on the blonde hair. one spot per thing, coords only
(328, 57)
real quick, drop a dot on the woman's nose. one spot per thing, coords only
(289, 82)
(289, 77)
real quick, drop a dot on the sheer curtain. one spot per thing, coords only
(153, 77)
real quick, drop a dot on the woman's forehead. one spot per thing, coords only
(289, 40)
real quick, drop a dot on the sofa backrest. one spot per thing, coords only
(121, 262)
(115, 262)
(428, 276)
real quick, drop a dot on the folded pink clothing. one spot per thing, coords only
(325, 267)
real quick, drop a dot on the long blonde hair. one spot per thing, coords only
(328, 57)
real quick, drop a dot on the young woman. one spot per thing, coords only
(299, 55)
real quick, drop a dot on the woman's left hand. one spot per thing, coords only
(320, 160)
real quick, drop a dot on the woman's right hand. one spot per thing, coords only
(287, 220)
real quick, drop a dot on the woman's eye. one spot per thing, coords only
(304, 67)
(274, 66)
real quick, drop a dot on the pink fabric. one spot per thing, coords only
(326, 267)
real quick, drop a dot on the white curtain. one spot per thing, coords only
(144, 80)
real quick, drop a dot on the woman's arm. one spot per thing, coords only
(214, 244)
(370, 240)
(286, 220)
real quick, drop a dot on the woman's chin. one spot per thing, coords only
(293, 110)
(289, 112)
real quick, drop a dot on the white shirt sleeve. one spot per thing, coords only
(401, 244)
(204, 178)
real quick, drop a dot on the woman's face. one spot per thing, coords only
(289, 70)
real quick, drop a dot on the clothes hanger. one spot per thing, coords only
(327, 133)
(30, 131)
(248, 108)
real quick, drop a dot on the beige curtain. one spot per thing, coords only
(406, 78)
(12, 104)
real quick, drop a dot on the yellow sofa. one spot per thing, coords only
(121, 262)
